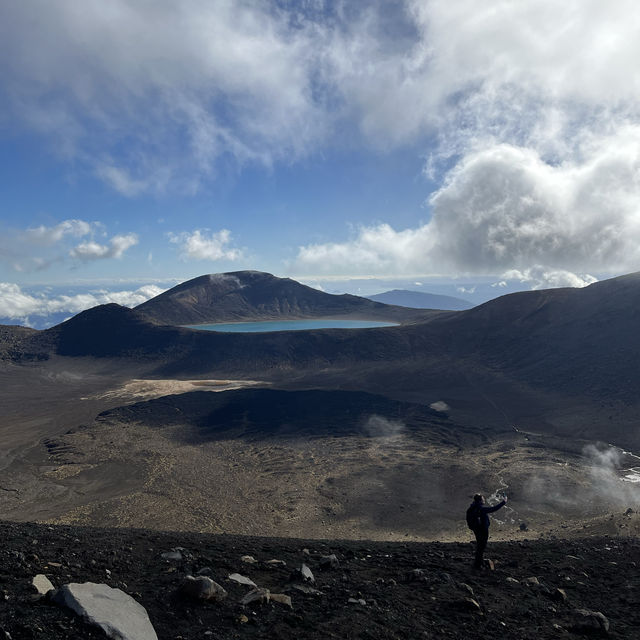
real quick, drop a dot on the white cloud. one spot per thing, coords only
(15, 304)
(505, 208)
(52, 235)
(542, 278)
(153, 94)
(202, 244)
(95, 251)
(528, 113)
(148, 95)
(38, 248)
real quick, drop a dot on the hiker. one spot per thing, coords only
(478, 521)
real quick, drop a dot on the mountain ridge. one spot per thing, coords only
(255, 295)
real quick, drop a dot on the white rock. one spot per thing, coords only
(42, 584)
(236, 577)
(115, 612)
(306, 573)
(248, 559)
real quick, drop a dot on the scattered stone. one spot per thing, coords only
(357, 601)
(118, 615)
(205, 571)
(202, 588)
(559, 595)
(329, 562)
(243, 619)
(524, 526)
(248, 559)
(236, 577)
(276, 563)
(511, 580)
(42, 584)
(532, 581)
(256, 595)
(282, 599)
(629, 512)
(469, 604)
(490, 564)
(172, 555)
(55, 565)
(467, 588)
(307, 576)
(302, 574)
(590, 621)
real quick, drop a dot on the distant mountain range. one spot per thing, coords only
(549, 360)
(421, 300)
(254, 295)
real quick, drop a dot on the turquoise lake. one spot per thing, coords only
(290, 325)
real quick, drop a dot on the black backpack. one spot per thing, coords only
(473, 517)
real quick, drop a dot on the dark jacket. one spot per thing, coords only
(483, 512)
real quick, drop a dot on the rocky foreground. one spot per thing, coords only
(312, 589)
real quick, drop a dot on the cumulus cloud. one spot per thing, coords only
(541, 278)
(38, 248)
(535, 115)
(504, 209)
(52, 235)
(203, 244)
(15, 304)
(95, 251)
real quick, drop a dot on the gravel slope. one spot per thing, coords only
(412, 590)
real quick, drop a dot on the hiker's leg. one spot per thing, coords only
(482, 535)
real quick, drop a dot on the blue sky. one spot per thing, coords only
(462, 148)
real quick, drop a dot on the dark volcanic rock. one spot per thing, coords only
(393, 608)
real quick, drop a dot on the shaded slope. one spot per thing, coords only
(257, 414)
(254, 295)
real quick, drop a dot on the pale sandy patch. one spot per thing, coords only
(149, 388)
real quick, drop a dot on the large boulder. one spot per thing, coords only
(118, 615)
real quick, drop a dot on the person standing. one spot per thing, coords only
(478, 521)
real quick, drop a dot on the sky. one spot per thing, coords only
(454, 147)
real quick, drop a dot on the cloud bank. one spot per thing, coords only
(18, 305)
(37, 248)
